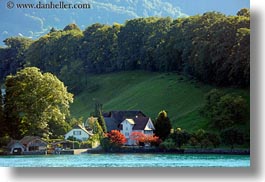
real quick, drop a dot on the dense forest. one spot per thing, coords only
(212, 48)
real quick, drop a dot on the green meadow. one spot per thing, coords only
(149, 92)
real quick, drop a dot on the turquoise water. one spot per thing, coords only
(126, 160)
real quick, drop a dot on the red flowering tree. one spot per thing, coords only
(138, 137)
(153, 140)
(142, 138)
(116, 137)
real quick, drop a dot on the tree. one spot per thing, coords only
(71, 27)
(162, 125)
(95, 126)
(232, 136)
(116, 138)
(36, 104)
(180, 137)
(213, 138)
(12, 58)
(101, 120)
(243, 12)
(225, 110)
(152, 140)
(141, 138)
(138, 137)
(59, 53)
(204, 139)
(200, 136)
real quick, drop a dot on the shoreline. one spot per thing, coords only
(148, 151)
(175, 151)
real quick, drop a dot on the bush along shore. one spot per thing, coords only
(143, 150)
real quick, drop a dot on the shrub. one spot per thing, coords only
(86, 144)
(168, 144)
(77, 145)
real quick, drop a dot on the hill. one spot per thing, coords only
(150, 92)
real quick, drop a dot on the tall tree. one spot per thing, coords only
(93, 124)
(36, 104)
(162, 125)
(98, 114)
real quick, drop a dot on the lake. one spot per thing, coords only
(127, 160)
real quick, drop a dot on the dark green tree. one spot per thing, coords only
(180, 137)
(12, 57)
(225, 110)
(232, 137)
(200, 137)
(244, 12)
(162, 125)
(204, 139)
(58, 53)
(71, 27)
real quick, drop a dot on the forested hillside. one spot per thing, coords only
(195, 69)
(212, 48)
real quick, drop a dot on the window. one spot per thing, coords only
(126, 128)
(77, 132)
(126, 134)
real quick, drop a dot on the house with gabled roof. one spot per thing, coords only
(34, 144)
(79, 132)
(28, 145)
(139, 124)
(114, 118)
(127, 122)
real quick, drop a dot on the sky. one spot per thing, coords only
(228, 7)
(34, 23)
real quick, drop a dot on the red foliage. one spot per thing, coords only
(138, 137)
(116, 137)
(142, 138)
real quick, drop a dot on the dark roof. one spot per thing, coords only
(28, 139)
(122, 115)
(140, 123)
(13, 142)
(111, 124)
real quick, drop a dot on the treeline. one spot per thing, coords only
(213, 48)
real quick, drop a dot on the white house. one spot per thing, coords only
(138, 124)
(79, 132)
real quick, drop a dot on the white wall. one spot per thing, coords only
(126, 131)
(84, 136)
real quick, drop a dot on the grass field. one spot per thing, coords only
(149, 92)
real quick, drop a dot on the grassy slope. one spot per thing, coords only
(149, 92)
